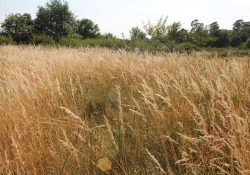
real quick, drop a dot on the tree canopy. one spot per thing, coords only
(19, 26)
(55, 22)
(88, 29)
(136, 33)
(55, 19)
(158, 30)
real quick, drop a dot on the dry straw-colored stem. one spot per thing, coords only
(169, 113)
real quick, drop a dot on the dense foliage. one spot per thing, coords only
(55, 24)
(19, 27)
(55, 19)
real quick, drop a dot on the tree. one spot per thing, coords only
(199, 33)
(240, 33)
(19, 26)
(245, 31)
(158, 30)
(235, 40)
(218, 37)
(55, 19)
(173, 31)
(184, 36)
(237, 26)
(178, 34)
(214, 28)
(88, 29)
(136, 33)
(223, 39)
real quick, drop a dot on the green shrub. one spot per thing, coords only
(186, 46)
(97, 42)
(42, 40)
(247, 44)
(139, 44)
(71, 42)
(4, 40)
(113, 43)
(156, 45)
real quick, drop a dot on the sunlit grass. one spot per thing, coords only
(86, 111)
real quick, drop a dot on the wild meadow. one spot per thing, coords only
(100, 111)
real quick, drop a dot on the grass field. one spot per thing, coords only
(97, 111)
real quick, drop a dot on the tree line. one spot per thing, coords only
(55, 23)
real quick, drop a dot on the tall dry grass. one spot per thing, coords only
(97, 111)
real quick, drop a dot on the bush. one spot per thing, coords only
(4, 40)
(247, 44)
(98, 42)
(72, 42)
(156, 45)
(139, 44)
(186, 46)
(112, 43)
(42, 40)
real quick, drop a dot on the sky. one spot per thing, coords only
(118, 16)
